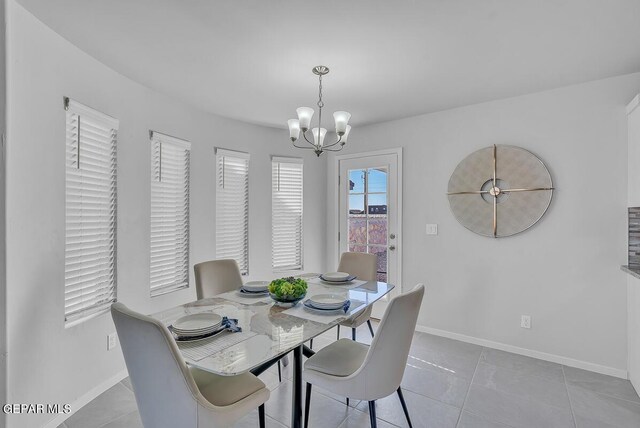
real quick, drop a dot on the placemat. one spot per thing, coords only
(301, 311)
(201, 349)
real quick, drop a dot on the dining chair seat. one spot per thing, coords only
(358, 319)
(168, 393)
(226, 390)
(342, 358)
(355, 370)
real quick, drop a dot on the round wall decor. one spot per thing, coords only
(499, 191)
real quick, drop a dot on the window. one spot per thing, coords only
(232, 207)
(90, 221)
(169, 213)
(286, 213)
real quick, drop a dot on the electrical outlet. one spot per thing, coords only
(111, 341)
(525, 321)
(432, 229)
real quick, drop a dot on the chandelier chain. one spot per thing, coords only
(320, 102)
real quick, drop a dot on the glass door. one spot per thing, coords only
(368, 213)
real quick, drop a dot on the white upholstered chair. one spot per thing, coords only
(216, 277)
(168, 393)
(219, 276)
(355, 370)
(365, 267)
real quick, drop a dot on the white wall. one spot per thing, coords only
(565, 271)
(3, 288)
(633, 283)
(48, 363)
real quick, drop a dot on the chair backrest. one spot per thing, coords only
(216, 277)
(387, 357)
(163, 386)
(362, 265)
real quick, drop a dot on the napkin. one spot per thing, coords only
(231, 325)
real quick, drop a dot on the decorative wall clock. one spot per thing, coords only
(500, 191)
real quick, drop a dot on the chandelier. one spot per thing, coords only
(303, 122)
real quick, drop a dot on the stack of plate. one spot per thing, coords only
(327, 302)
(255, 288)
(195, 325)
(337, 277)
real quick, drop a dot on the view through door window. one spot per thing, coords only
(368, 214)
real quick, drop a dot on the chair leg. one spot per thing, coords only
(370, 327)
(353, 334)
(311, 344)
(338, 335)
(307, 404)
(279, 372)
(404, 407)
(261, 417)
(372, 414)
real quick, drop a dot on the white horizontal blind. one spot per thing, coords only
(232, 207)
(90, 221)
(286, 213)
(169, 213)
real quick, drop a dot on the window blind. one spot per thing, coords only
(232, 207)
(286, 213)
(90, 220)
(170, 158)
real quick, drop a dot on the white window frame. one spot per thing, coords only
(169, 219)
(232, 228)
(287, 214)
(90, 284)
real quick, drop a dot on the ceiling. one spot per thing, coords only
(251, 59)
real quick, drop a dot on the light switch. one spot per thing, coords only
(432, 229)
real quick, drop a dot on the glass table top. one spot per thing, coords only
(268, 330)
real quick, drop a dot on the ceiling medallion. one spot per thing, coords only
(303, 122)
(500, 191)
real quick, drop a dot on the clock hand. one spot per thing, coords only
(527, 190)
(495, 216)
(494, 166)
(474, 192)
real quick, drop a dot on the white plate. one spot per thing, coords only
(256, 285)
(194, 322)
(196, 332)
(336, 276)
(308, 275)
(181, 338)
(328, 301)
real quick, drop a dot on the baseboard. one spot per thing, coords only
(87, 398)
(527, 352)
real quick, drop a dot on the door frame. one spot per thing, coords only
(336, 201)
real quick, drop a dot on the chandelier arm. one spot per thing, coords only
(337, 142)
(304, 134)
(303, 147)
(333, 150)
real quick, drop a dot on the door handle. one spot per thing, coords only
(392, 247)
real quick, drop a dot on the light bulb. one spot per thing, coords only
(318, 139)
(346, 135)
(342, 119)
(294, 129)
(304, 116)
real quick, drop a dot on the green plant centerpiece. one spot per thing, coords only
(288, 291)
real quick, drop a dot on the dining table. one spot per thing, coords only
(269, 331)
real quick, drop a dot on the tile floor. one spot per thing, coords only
(446, 384)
